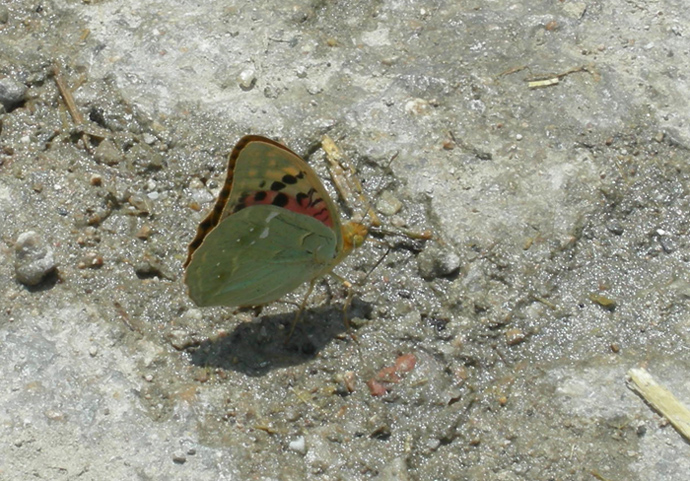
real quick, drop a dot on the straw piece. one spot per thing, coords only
(659, 398)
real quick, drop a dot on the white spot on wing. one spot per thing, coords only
(264, 233)
(271, 216)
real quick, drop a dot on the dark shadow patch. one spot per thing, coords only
(47, 283)
(258, 347)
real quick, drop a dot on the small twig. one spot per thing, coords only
(513, 70)
(67, 95)
(77, 118)
(598, 476)
(125, 318)
(553, 79)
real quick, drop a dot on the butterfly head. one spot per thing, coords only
(353, 235)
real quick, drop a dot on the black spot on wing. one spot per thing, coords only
(280, 200)
(259, 196)
(277, 186)
(289, 179)
(316, 202)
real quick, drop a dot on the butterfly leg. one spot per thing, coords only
(348, 301)
(301, 309)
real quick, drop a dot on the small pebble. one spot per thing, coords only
(91, 260)
(54, 415)
(144, 232)
(575, 9)
(140, 203)
(432, 444)
(667, 244)
(346, 382)
(514, 336)
(247, 79)
(387, 204)
(150, 267)
(552, 25)
(605, 302)
(417, 107)
(12, 93)
(200, 194)
(435, 262)
(180, 339)
(179, 458)
(107, 153)
(298, 445)
(34, 260)
(202, 375)
(615, 227)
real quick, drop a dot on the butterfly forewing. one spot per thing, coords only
(262, 171)
(269, 173)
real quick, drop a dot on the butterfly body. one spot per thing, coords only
(273, 227)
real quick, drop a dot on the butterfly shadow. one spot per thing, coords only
(258, 347)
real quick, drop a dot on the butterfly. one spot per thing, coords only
(273, 228)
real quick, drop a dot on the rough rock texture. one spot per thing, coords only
(543, 144)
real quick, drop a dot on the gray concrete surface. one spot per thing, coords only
(559, 259)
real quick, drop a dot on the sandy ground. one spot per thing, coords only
(559, 260)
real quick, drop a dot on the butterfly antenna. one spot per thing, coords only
(340, 178)
(346, 306)
(395, 156)
(347, 184)
(378, 263)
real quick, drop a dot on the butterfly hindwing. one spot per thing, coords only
(257, 255)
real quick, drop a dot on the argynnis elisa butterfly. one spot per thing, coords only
(273, 228)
